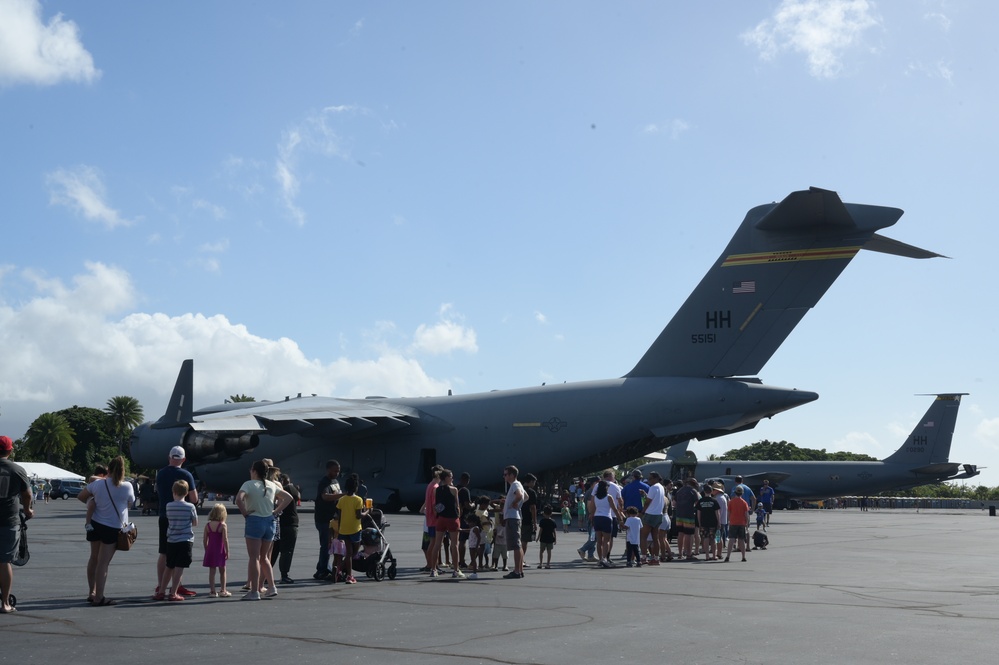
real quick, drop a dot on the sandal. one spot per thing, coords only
(175, 597)
(105, 602)
(224, 594)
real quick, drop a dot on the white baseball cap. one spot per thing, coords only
(177, 453)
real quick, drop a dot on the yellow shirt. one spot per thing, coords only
(348, 505)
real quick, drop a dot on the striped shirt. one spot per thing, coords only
(181, 518)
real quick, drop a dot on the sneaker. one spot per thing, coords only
(184, 591)
(286, 580)
(319, 576)
(252, 595)
(350, 580)
(213, 594)
(175, 597)
(473, 576)
(506, 568)
(246, 587)
(224, 594)
(433, 573)
(652, 562)
(271, 594)
(458, 575)
(513, 575)
(591, 558)
(630, 564)
(581, 553)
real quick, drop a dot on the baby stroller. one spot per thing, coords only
(375, 558)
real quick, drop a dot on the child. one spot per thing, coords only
(566, 517)
(760, 540)
(216, 544)
(499, 548)
(546, 536)
(182, 517)
(634, 527)
(581, 514)
(338, 551)
(486, 524)
(761, 516)
(474, 545)
(351, 509)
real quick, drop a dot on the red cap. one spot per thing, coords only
(6, 445)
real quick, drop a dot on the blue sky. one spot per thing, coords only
(404, 198)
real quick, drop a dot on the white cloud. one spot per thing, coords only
(540, 318)
(822, 30)
(447, 335)
(81, 189)
(216, 211)
(33, 52)
(987, 432)
(674, 128)
(314, 135)
(941, 20)
(860, 442)
(68, 344)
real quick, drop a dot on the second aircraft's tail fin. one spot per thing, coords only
(929, 442)
(778, 265)
(180, 410)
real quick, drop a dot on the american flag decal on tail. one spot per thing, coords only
(744, 287)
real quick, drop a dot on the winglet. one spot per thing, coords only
(179, 411)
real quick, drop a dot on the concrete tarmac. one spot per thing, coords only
(837, 586)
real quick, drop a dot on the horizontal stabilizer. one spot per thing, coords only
(879, 243)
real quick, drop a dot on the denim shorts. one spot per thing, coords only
(259, 527)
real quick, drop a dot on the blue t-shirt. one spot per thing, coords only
(631, 493)
(747, 494)
(165, 479)
(767, 494)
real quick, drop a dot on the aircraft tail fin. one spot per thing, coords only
(180, 411)
(929, 442)
(777, 266)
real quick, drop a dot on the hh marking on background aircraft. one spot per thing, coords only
(923, 458)
(697, 380)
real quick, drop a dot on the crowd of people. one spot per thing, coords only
(464, 535)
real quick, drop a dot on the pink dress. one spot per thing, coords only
(215, 549)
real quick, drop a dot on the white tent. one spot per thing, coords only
(47, 471)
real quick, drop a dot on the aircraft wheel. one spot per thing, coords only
(379, 572)
(393, 505)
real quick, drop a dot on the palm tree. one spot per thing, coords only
(125, 413)
(50, 436)
(241, 398)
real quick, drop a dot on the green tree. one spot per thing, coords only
(51, 438)
(95, 440)
(241, 398)
(126, 414)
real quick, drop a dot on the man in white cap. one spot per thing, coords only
(165, 478)
(15, 494)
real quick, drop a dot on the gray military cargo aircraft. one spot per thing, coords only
(923, 458)
(697, 380)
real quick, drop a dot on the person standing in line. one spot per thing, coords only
(465, 508)
(182, 517)
(708, 519)
(284, 549)
(748, 497)
(634, 531)
(529, 514)
(515, 497)
(260, 500)
(112, 497)
(718, 492)
(651, 515)
(448, 524)
(15, 496)
(165, 478)
(430, 520)
(738, 520)
(351, 508)
(216, 544)
(327, 494)
(684, 511)
(546, 537)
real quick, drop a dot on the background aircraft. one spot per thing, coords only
(924, 457)
(781, 260)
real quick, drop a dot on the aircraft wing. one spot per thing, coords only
(309, 415)
(775, 478)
